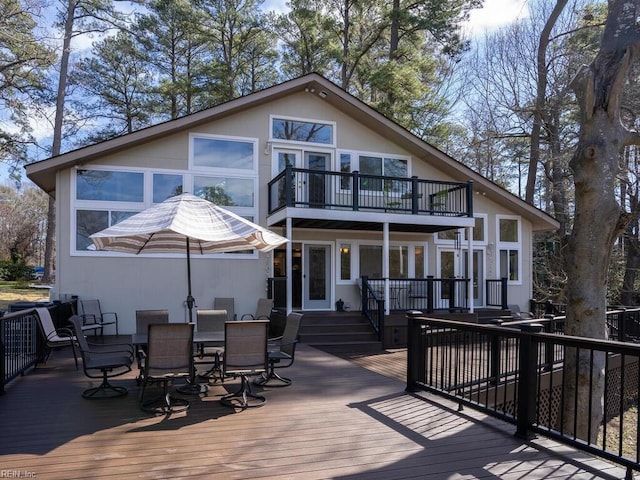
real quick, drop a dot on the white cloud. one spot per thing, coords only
(495, 14)
(278, 6)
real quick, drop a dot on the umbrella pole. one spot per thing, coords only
(190, 300)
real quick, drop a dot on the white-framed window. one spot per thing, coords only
(448, 237)
(216, 152)
(374, 164)
(361, 257)
(302, 131)
(105, 195)
(509, 247)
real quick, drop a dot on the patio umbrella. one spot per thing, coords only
(186, 223)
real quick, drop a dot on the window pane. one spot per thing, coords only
(513, 265)
(478, 230)
(345, 261)
(345, 167)
(394, 167)
(508, 230)
(285, 159)
(371, 261)
(219, 153)
(371, 166)
(89, 222)
(117, 217)
(509, 264)
(302, 131)
(236, 192)
(398, 261)
(109, 186)
(419, 259)
(166, 186)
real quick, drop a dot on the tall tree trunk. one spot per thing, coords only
(541, 87)
(598, 216)
(49, 248)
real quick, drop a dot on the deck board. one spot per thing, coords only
(340, 419)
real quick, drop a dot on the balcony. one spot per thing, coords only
(314, 189)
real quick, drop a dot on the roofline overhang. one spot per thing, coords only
(43, 172)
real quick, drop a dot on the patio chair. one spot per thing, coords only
(417, 294)
(103, 361)
(55, 337)
(245, 355)
(221, 303)
(146, 317)
(263, 310)
(282, 353)
(211, 321)
(143, 319)
(169, 357)
(94, 318)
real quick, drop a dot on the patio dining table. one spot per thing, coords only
(213, 339)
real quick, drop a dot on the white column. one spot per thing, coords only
(385, 266)
(470, 265)
(289, 267)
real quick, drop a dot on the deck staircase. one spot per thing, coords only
(339, 332)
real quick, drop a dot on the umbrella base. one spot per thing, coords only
(192, 389)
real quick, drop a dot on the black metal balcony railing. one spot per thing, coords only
(533, 379)
(304, 188)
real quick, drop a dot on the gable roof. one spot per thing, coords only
(42, 173)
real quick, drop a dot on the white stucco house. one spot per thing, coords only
(355, 193)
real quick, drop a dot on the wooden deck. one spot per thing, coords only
(340, 420)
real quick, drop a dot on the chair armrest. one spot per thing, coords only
(115, 315)
(61, 332)
(88, 316)
(247, 316)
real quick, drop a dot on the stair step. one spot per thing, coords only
(336, 328)
(337, 337)
(348, 347)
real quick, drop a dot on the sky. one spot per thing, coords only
(494, 14)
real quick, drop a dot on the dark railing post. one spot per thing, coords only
(549, 327)
(503, 293)
(415, 354)
(365, 293)
(414, 195)
(429, 293)
(527, 382)
(381, 321)
(494, 366)
(356, 190)
(452, 293)
(288, 185)
(470, 199)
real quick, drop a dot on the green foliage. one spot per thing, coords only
(15, 270)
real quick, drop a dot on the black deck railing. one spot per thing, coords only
(522, 375)
(425, 294)
(372, 305)
(21, 345)
(304, 188)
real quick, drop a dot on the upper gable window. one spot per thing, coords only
(302, 131)
(110, 186)
(213, 152)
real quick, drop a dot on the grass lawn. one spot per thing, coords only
(10, 292)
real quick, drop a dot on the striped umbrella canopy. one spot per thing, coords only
(186, 223)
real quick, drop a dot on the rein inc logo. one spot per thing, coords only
(17, 474)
